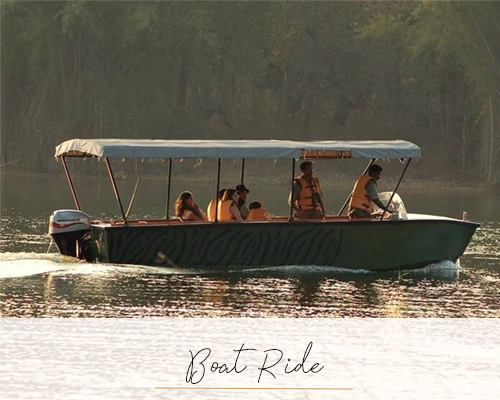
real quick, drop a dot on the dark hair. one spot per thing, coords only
(228, 194)
(254, 205)
(180, 203)
(305, 164)
(221, 193)
(375, 168)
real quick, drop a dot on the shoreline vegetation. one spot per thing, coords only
(423, 71)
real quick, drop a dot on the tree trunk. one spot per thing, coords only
(183, 84)
(464, 143)
(490, 155)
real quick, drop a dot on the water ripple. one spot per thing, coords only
(61, 289)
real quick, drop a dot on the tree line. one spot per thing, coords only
(428, 72)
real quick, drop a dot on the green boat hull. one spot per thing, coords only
(372, 245)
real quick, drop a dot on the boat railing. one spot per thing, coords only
(177, 221)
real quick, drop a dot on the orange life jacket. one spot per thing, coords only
(224, 211)
(257, 214)
(211, 210)
(309, 194)
(359, 198)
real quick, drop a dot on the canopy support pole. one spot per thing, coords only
(242, 171)
(396, 187)
(115, 189)
(290, 219)
(71, 186)
(216, 219)
(167, 206)
(132, 199)
(350, 194)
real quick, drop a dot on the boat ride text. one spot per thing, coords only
(274, 361)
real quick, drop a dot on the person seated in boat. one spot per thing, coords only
(187, 210)
(228, 207)
(242, 201)
(211, 205)
(306, 196)
(364, 194)
(256, 212)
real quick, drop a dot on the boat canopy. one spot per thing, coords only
(273, 149)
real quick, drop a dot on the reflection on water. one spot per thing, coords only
(34, 283)
(58, 288)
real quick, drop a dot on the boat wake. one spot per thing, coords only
(303, 269)
(14, 265)
(444, 270)
(22, 264)
(442, 265)
(431, 268)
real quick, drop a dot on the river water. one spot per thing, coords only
(35, 281)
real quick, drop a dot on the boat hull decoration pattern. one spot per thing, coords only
(229, 246)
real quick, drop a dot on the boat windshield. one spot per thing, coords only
(397, 206)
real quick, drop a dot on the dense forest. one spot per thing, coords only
(424, 71)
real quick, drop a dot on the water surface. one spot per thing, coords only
(37, 282)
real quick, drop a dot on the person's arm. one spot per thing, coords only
(320, 198)
(322, 205)
(295, 196)
(371, 188)
(236, 213)
(196, 214)
(243, 210)
(187, 215)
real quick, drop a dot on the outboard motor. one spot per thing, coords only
(67, 229)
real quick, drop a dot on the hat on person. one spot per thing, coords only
(242, 188)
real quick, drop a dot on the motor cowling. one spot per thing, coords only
(68, 229)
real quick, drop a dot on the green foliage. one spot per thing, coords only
(425, 71)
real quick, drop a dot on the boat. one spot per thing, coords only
(376, 243)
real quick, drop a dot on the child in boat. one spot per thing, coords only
(187, 210)
(256, 212)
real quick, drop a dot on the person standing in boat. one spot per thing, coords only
(307, 196)
(242, 201)
(187, 210)
(365, 194)
(228, 207)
